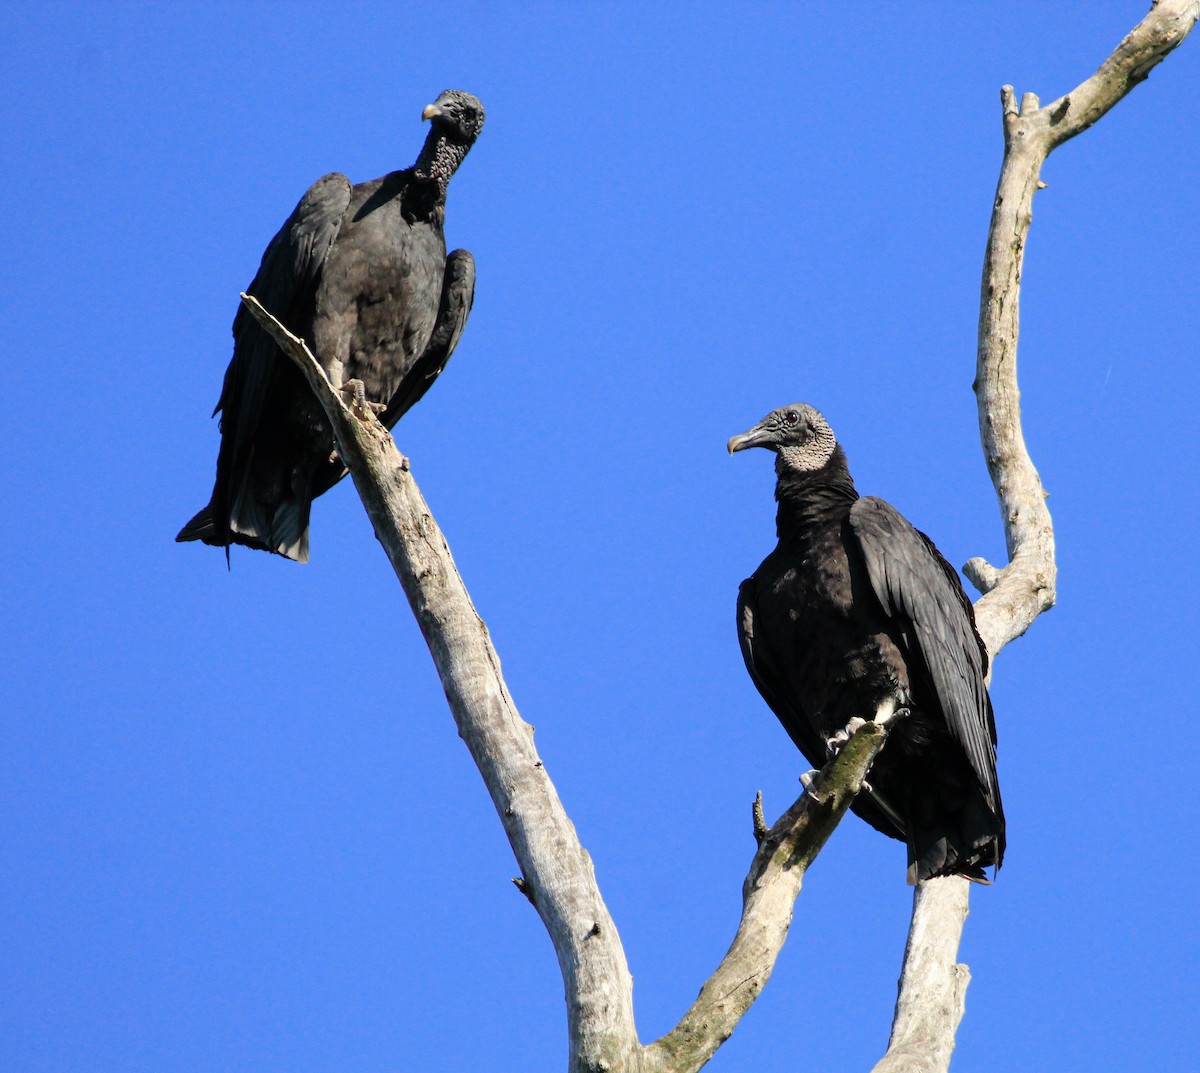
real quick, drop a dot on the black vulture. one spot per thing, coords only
(856, 615)
(361, 273)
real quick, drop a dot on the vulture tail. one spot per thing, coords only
(963, 844)
(201, 527)
(280, 527)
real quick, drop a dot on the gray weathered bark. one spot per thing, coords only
(768, 895)
(557, 873)
(932, 987)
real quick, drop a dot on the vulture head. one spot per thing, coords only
(798, 434)
(457, 113)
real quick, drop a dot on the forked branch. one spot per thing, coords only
(557, 875)
(932, 986)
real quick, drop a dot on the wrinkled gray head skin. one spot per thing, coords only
(798, 434)
(458, 112)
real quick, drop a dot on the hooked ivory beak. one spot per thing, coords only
(430, 111)
(755, 437)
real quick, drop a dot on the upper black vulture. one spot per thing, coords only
(361, 273)
(856, 615)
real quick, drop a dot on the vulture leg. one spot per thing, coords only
(889, 710)
(355, 392)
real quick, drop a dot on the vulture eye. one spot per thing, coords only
(791, 417)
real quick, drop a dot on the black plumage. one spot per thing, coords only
(856, 615)
(361, 273)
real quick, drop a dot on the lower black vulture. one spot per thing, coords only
(856, 615)
(361, 273)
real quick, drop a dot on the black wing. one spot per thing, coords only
(772, 684)
(921, 593)
(458, 294)
(285, 284)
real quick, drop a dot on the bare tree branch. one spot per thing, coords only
(1015, 596)
(932, 986)
(557, 872)
(768, 895)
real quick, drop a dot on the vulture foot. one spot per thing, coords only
(811, 781)
(833, 745)
(356, 399)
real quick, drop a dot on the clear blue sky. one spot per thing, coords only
(238, 830)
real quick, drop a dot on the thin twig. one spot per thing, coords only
(760, 822)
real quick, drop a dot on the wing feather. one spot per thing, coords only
(285, 284)
(458, 295)
(922, 594)
(773, 686)
(769, 682)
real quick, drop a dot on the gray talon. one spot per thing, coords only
(811, 781)
(356, 395)
(833, 744)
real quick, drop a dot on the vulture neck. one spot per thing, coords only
(439, 159)
(811, 499)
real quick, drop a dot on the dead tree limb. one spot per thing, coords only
(932, 987)
(556, 870)
(557, 875)
(768, 895)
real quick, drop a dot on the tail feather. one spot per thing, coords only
(285, 532)
(964, 845)
(201, 527)
(281, 528)
(941, 857)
